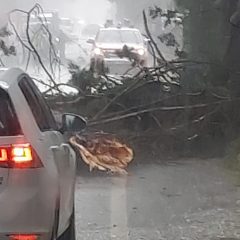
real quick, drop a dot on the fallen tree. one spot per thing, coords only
(103, 152)
(170, 107)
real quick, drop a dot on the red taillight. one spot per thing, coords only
(3, 155)
(24, 237)
(19, 156)
(21, 153)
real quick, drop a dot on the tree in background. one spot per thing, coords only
(133, 11)
(5, 49)
(212, 37)
(212, 34)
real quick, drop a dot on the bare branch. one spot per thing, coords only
(126, 90)
(154, 109)
(33, 47)
(151, 38)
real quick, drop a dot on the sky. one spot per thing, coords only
(88, 10)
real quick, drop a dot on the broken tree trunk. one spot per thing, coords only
(103, 152)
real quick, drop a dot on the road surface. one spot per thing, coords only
(186, 199)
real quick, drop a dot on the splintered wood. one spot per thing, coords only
(103, 152)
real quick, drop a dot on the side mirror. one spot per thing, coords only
(91, 41)
(73, 123)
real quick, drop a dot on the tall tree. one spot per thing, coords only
(209, 36)
(133, 9)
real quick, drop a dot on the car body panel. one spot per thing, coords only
(29, 198)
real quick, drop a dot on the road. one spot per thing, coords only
(186, 199)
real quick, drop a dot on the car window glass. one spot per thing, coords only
(45, 106)
(107, 36)
(9, 124)
(39, 108)
(130, 37)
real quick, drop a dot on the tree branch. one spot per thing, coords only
(154, 109)
(151, 38)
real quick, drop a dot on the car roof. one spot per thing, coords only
(2, 72)
(9, 77)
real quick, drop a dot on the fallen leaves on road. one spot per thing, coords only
(103, 152)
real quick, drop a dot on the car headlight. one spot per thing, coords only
(141, 51)
(98, 51)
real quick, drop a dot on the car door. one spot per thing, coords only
(64, 156)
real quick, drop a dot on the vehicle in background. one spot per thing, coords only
(50, 18)
(116, 46)
(67, 25)
(37, 165)
(87, 31)
(78, 25)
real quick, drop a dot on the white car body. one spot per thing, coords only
(110, 41)
(35, 200)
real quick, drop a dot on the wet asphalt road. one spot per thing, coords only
(187, 199)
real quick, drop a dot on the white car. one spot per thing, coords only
(37, 166)
(111, 41)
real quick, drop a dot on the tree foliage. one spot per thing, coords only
(4, 47)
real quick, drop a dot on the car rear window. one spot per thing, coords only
(9, 124)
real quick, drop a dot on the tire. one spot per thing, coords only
(55, 226)
(56, 222)
(69, 234)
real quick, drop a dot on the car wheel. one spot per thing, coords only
(56, 222)
(55, 226)
(70, 234)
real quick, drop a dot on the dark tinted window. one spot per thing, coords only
(38, 105)
(9, 124)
